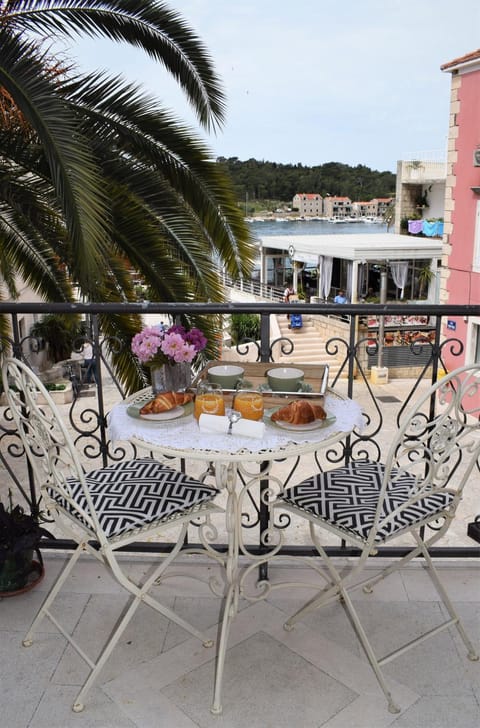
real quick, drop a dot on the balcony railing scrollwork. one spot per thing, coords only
(353, 355)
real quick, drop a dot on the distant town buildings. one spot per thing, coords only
(337, 207)
(308, 204)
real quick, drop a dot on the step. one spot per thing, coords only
(309, 347)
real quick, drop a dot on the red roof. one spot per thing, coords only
(473, 56)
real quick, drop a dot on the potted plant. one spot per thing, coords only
(20, 535)
(168, 353)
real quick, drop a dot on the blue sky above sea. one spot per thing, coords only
(315, 82)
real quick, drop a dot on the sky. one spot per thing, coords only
(312, 81)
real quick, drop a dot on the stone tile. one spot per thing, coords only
(431, 667)
(199, 611)
(146, 679)
(343, 665)
(55, 711)
(17, 613)
(390, 589)
(25, 675)
(89, 576)
(439, 711)
(462, 584)
(368, 711)
(257, 667)
(143, 639)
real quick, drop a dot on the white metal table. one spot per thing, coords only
(229, 459)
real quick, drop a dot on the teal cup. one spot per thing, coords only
(226, 375)
(285, 379)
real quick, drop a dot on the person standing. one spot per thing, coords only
(340, 297)
(289, 291)
(90, 364)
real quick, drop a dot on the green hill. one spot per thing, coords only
(256, 181)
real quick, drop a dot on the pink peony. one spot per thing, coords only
(175, 344)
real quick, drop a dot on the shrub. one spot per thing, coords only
(244, 326)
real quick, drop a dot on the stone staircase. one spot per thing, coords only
(309, 346)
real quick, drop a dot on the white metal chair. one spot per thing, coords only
(368, 504)
(113, 506)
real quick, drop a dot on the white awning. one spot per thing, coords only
(361, 248)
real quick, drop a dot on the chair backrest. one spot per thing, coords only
(47, 442)
(433, 454)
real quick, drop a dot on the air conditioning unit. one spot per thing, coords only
(476, 157)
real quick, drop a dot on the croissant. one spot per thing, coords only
(299, 412)
(164, 402)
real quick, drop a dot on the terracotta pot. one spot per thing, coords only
(35, 575)
(15, 570)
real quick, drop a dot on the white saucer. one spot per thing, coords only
(315, 425)
(181, 411)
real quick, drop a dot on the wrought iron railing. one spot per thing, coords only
(353, 353)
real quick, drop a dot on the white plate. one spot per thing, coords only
(170, 415)
(181, 411)
(315, 425)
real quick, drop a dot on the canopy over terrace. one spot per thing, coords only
(353, 257)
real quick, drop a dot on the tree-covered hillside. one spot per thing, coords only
(258, 180)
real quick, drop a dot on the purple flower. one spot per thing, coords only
(175, 344)
(147, 343)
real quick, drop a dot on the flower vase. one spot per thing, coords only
(170, 377)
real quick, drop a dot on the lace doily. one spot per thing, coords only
(184, 432)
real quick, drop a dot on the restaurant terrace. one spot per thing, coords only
(352, 262)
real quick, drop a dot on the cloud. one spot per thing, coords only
(314, 81)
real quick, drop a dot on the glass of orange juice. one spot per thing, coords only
(209, 399)
(249, 403)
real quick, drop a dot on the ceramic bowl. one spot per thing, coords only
(285, 379)
(227, 375)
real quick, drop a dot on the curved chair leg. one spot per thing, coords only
(50, 598)
(472, 654)
(105, 654)
(364, 641)
(228, 614)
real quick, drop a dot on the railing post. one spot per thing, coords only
(102, 420)
(264, 336)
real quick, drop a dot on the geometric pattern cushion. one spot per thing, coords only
(135, 493)
(347, 498)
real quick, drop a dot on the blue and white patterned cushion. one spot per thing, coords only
(136, 493)
(347, 498)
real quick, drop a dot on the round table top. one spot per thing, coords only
(182, 436)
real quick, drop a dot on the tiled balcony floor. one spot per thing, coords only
(312, 677)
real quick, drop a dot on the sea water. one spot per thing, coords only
(314, 227)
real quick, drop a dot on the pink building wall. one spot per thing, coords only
(462, 282)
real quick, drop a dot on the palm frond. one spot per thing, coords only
(152, 26)
(166, 152)
(74, 173)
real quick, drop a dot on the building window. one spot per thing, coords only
(476, 343)
(473, 342)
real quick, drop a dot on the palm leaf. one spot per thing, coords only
(74, 173)
(147, 24)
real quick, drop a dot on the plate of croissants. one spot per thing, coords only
(300, 415)
(164, 406)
